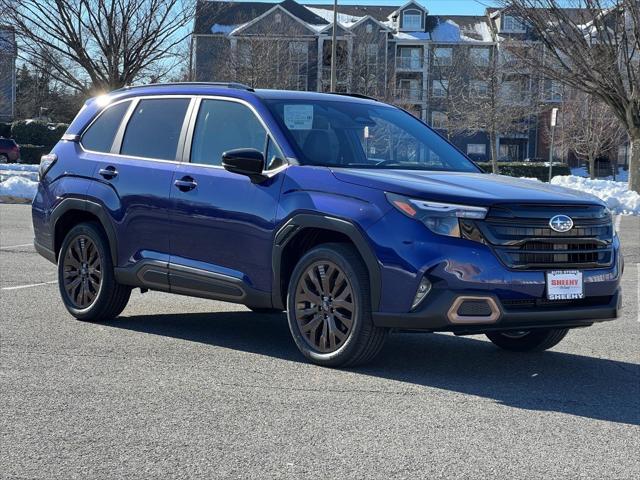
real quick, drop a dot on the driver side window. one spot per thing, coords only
(224, 125)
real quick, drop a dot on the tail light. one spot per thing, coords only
(46, 162)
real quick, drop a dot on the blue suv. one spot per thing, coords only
(352, 215)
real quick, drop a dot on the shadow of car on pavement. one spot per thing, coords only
(547, 381)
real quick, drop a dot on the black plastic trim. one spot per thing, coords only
(45, 252)
(433, 316)
(297, 224)
(85, 205)
(194, 282)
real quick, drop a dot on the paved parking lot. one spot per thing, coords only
(182, 387)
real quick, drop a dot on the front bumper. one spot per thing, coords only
(436, 316)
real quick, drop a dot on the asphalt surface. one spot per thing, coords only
(189, 388)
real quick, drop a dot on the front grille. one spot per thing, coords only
(522, 238)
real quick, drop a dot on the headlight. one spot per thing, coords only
(440, 218)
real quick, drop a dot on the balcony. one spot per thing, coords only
(410, 64)
(409, 95)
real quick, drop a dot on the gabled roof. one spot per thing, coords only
(370, 18)
(210, 13)
(274, 8)
(410, 2)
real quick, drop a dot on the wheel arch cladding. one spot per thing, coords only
(305, 231)
(72, 211)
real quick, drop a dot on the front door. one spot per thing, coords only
(222, 223)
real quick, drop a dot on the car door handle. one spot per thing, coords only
(185, 184)
(108, 172)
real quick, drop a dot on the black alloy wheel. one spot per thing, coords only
(82, 270)
(324, 306)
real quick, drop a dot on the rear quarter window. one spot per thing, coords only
(100, 135)
(154, 128)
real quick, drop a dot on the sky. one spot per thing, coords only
(435, 7)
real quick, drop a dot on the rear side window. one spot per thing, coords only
(154, 128)
(99, 136)
(222, 126)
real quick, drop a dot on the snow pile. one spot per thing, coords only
(18, 183)
(616, 195)
(18, 187)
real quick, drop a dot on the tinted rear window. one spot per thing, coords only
(99, 137)
(154, 128)
(6, 143)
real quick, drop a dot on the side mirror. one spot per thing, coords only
(244, 161)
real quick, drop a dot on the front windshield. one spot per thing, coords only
(363, 135)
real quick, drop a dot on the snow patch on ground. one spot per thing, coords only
(18, 187)
(18, 183)
(616, 195)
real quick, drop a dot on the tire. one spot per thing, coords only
(333, 332)
(265, 310)
(528, 341)
(4, 158)
(85, 258)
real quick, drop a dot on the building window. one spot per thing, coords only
(512, 24)
(412, 20)
(409, 58)
(439, 88)
(369, 28)
(480, 56)
(372, 56)
(298, 60)
(476, 149)
(409, 89)
(552, 91)
(278, 18)
(443, 56)
(479, 88)
(439, 120)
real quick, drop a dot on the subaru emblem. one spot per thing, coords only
(561, 223)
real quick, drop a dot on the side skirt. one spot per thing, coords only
(193, 282)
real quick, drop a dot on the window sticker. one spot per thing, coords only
(298, 117)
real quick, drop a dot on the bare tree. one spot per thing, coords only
(97, 45)
(595, 49)
(589, 129)
(500, 101)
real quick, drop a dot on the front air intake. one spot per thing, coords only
(470, 310)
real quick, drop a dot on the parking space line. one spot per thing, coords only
(16, 246)
(18, 287)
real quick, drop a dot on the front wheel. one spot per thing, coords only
(329, 308)
(85, 276)
(528, 340)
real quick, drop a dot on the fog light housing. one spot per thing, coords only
(421, 293)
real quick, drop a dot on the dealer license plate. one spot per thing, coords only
(564, 285)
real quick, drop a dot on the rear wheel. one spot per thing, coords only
(528, 340)
(4, 158)
(329, 308)
(85, 276)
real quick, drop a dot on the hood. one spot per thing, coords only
(480, 189)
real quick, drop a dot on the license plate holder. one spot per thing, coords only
(565, 285)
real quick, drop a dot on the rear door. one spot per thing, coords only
(222, 222)
(134, 178)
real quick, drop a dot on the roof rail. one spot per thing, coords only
(354, 95)
(239, 86)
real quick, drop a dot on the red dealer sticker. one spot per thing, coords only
(564, 285)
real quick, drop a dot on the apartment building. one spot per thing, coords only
(399, 54)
